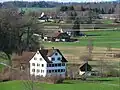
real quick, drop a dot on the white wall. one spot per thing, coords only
(38, 61)
(88, 73)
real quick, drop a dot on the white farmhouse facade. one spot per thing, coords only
(48, 62)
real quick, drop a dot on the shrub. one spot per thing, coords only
(50, 79)
(113, 73)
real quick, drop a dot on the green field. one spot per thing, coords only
(97, 84)
(100, 39)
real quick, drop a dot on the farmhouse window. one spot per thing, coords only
(59, 64)
(58, 58)
(38, 64)
(56, 54)
(49, 65)
(33, 64)
(40, 59)
(33, 70)
(49, 71)
(42, 65)
(38, 70)
(62, 70)
(53, 59)
(35, 58)
(42, 71)
(63, 64)
(58, 70)
(55, 65)
(55, 70)
(52, 70)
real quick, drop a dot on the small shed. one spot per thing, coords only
(85, 68)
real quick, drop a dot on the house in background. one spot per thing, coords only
(85, 69)
(45, 18)
(44, 62)
(60, 36)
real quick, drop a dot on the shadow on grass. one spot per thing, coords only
(93, 35)
(67, 83)
(100, 80)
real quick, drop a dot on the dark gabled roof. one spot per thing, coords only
(63, 58)
(83, 67)
(27, 56)
(44, 53)
(49, 52)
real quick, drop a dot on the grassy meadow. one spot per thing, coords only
(99, 38)
(92, 84)
(73, 51)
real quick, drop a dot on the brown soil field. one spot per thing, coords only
(75, 54)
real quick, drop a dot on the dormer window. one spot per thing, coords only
(53, 59)
(56, 54)
(40, 59)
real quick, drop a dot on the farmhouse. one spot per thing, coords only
(85, 69)
(44, 62)
(59, 36)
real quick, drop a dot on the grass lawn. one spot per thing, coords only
(107, 21)
(100, 39)
(1, 67)
(106, 84)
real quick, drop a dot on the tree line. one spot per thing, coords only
(81, 8)
(43, 4)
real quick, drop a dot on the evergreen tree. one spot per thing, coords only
(76, 27)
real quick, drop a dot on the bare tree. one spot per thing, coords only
(90, 48)
(13, 29)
